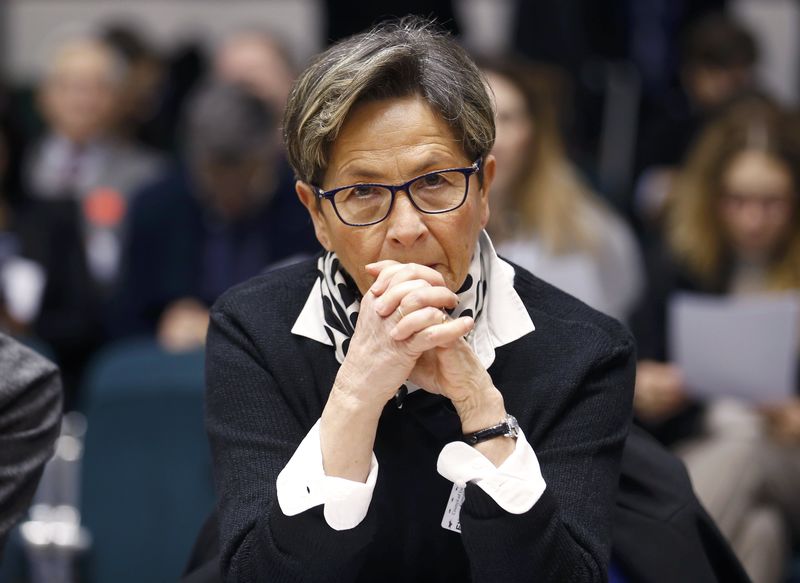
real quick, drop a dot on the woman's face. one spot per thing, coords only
(391, 141)
(514, 132)
(758, 204)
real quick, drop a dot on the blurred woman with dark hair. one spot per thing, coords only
(546, 217)
(733, 229)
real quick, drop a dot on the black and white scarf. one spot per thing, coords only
(341, 299)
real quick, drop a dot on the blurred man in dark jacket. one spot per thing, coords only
(223, 216)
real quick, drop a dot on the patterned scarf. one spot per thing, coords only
(341, 301)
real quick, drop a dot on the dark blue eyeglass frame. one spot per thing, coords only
(394, 189)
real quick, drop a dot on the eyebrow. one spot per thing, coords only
(430, 164)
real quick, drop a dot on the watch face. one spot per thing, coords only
(513, 426)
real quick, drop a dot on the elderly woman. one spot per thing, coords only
(498, 457)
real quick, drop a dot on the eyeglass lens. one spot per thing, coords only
(433, 193)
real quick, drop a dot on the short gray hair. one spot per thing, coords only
(396, 59)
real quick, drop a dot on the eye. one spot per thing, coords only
(360, 192)
(432, 181)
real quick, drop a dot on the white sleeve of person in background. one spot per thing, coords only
(22, 283)
(302, 484)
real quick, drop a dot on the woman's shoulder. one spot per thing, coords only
(566, 317)
(276, 294)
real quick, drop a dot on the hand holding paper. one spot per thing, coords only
(742, 347)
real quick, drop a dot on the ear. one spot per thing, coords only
(489, 168)
(309, 199)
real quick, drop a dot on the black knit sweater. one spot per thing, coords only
(569, 383)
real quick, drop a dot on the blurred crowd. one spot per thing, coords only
(137, 185)
(151, 185)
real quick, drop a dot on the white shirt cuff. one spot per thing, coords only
(516, 485)
(302, 484)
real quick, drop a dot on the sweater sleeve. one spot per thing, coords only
(253, 433)
(566, 535)
(30, 412)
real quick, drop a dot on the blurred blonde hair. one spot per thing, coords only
(550, 198)
(694, 226)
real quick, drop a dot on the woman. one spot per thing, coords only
(734, 230)
(545, 217)
(391, 151)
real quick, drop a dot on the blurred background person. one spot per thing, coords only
(22, 281)
(223, 215)
(77, 183)
(718, 62)
(79, 158)
(12, 148)
(545, 217)
(733, 229)
(142, 94)
(258, 61)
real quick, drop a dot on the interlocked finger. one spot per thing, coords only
(417, 321)
(423, 297)
(394, 273)
(388, 302)
(438, 334)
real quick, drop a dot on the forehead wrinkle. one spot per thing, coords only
(393, 135)
(395, 163)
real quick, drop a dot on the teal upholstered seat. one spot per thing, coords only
(147, 470)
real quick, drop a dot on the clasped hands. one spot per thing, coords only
(403, 333)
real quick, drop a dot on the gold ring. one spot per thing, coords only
(444, 317)
(400, 311)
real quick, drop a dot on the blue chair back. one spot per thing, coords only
(146, 469)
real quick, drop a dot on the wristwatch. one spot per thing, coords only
(508, 427)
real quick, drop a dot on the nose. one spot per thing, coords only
(406, 225)
(755, 217)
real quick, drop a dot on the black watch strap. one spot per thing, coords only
(508, 427)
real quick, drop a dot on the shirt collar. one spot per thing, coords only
(505, 317)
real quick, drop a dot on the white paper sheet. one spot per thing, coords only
(737, 347)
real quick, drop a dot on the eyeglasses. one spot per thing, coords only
(441, 191)
(771, 204)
